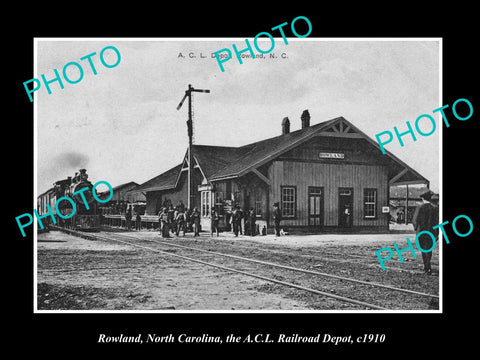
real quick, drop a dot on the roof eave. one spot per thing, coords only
(160, 188)
(224, 177)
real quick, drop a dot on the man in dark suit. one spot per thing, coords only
(196, 222)
(214, 222)
(277, 217)
(252, 217)
(236, 220)
(424, 219)
(128, 218)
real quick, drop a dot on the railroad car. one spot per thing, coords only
(86, 216)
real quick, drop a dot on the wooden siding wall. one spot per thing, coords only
(124, 195)
(355, 151)
(330, 176)
(156, 198)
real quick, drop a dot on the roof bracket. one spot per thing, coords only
(262, 177)
(398, 176)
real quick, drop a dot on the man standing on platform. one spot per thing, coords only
(277, 217)
(252, 217)
(236, 220)
(128, 218)
(196, 222)
(163, 223)
(138, 222)
(181, 207)
(214, 224)
(181, 223)
(424, 219)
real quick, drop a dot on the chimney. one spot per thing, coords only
(305, 119)
(285, 126)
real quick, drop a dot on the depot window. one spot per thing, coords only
(258, 203)
(369, 203)
(289, 201)
(205, 201)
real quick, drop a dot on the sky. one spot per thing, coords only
(122, 124)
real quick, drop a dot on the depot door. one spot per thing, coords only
(315, 206)
(345, 207)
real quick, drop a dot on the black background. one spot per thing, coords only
(406, 334)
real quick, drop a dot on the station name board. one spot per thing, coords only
(328, 155)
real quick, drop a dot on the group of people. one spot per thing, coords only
(128, 219)
(249, 218)
(116, 208)
(176, 219)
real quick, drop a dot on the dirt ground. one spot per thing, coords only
(79, 274)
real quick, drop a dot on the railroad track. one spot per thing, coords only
(165, 248)
(327, 256)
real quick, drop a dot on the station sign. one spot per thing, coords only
(329, 155)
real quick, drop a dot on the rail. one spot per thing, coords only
(314, 291)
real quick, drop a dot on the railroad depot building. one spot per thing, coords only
(327, 177)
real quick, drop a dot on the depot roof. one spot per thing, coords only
(223, 162)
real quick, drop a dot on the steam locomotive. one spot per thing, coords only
(86, 216)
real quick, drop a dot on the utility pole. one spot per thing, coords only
(188, 93)
(406, 207)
